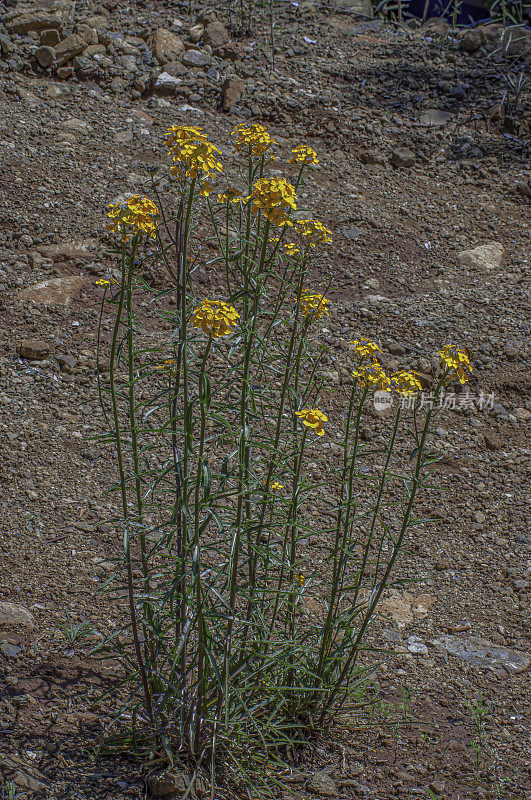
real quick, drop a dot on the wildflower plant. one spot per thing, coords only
(216, 421)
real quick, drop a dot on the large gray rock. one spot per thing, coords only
(33, 349)
(484, 257)
(166, 46)
(216, 35)
(323, 785)
(45, 56)
(483, 654)
(54, 291)
(15, 615)
(69, 48)
(37, 15)
(195, 58)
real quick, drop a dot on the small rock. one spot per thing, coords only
(402, 157)
(16, 615)
(195, 58)
(396, 349)
(436, 26)
(168, 784)
(442, 564)
(166, 84)
(121, 137)
(306, 9)
(33, 349)
(49, 37)
(492, 441)
(485, 256)
(370, 157)
(10, 650)
(70, 47)
(45, 56)
(231, 92)
(522, 414)
(63, 73)
(438, 786)
(6, 45)
(166, 46)
(322, 784)
(416, 646)
(434, 118)
(229, 52)
(196, 32)
(473, 39)
(353, 233)
(216, 35)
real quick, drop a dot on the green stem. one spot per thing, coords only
(123, 492)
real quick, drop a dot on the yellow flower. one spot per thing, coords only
(276, 486)
(291, 249)
(303, 155)
(313, 418)
(372, 376)
(457, 361)
(192, 153)
(275, 198)
(105, 282)
(299, 577)
(230, 195)
(364, 348)
(215, 317)
(137, 211)
(405, 382)
(313, 232)
(177, 135)
(194, 157)
(253, 136)
(205, 188)
(314, 305)
(169, 364)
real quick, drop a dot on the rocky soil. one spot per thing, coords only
(424, 180)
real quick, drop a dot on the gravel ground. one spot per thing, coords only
(423, 179)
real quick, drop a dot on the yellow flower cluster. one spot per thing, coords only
(177, 135)
(105, 282)
(372, 376)
(405, 382)
(215, 317)
(457, 361)
(253, 136)
(169, 363)
(276, 486)
(313, 418)
(313, 232)
(314, 305)
(230, 195)
(291, 249)
(274, 197)
(364, 348)
(138, 212)
(303, 155)
(192, 154)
